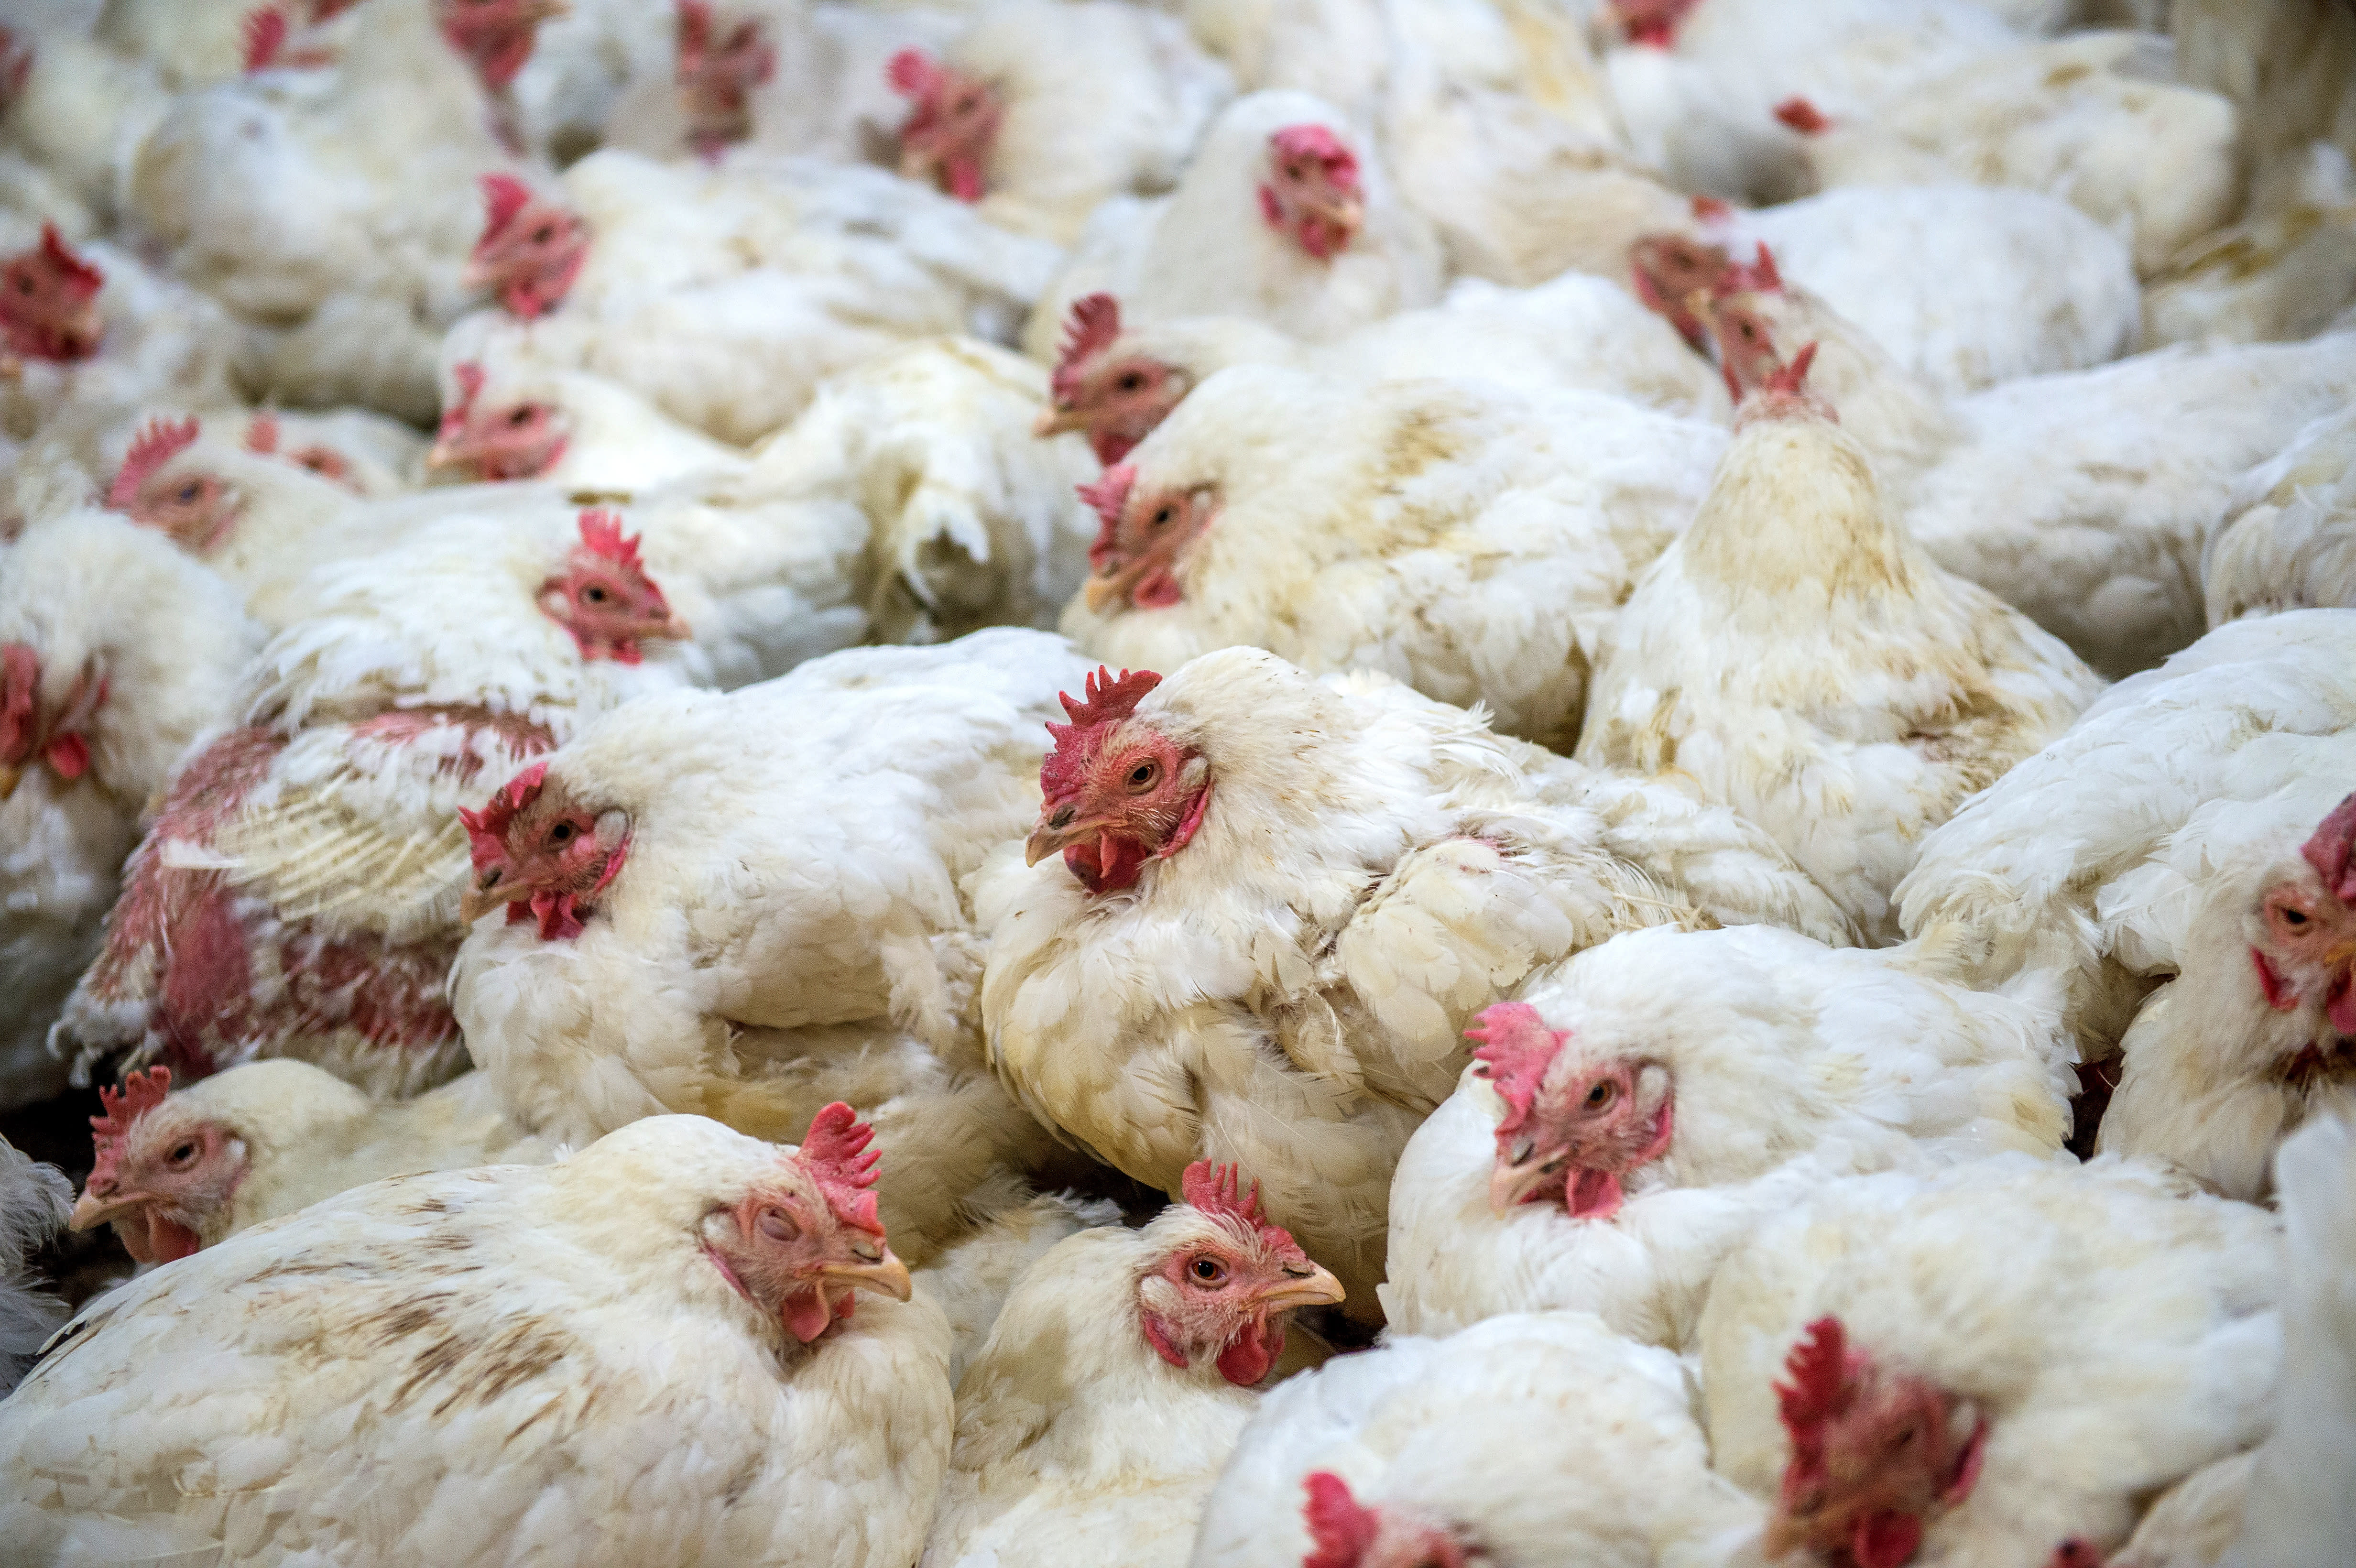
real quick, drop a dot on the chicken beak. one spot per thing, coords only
(489, 892)
(1055, 420)
(1318, 1287)
(9, 774)
(1048, 840)
(1107, 591)
(888, 1276)
(1343, 212)
(91, 1211)
(443, 455)
(1513, 1179)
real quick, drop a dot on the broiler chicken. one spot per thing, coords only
(2181, 854)
(117, 651)
(971, 1280)
(2289, 541)
(1534, 1441)
(175, 1172)
(508, 416)
(1279, 901)
(1121, 1369)
(1795, 655)
(646, 1354)
(1942, 1403)
(1630, 1121)
(1472, 542)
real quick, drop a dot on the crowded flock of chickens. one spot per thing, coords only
(1115, 784)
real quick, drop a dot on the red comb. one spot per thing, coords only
(1791, 378)
(601, 533)
(155, 446)
(486, 830)
(1218, 1191)
(141, 1092)
(1516, 1047)
(262, 435)
(912, 73)
(1339, 1529)
(1820, 1368)
(79, 276)
(2331, 851)
(1802, 116)
(264, 31)
(1316, 141)
(504, 196)
(1758, 277)
(469, 376)
(1109, 492)
(1108, 700)
(835, 1152)
(694, 26)
(1094, 327)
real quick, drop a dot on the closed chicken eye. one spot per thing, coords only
(1207, 1272)
(776, 1226)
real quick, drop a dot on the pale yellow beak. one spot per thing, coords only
(9, 774)
(484, 896)
(1047, 839)
(1055, 421)
(1318, 1287)
(90, 1210)
(888, 1276)
(1510, 1182)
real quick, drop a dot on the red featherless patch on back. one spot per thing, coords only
(1340, 1531)
(1317, 142)
(1218, 1191)
(1759, 276)
(155, 446)
(2332, 850)
(1094, 325)
(1821, 1371)
(1109, 699)
(1802, 116)
(141, 1092)
(486, 830)
(835, 1153)
(1515, 1051)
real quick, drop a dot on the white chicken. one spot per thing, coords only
(1473, 541)
(175, 1172)
(1092, 1423)
(2189, 834)
(1278, 902)
(34, 1199)
(2289, 542)
(116, 651)
(1533, 1441)
(1795, 655)
(1632, 1119)
(646, 1353)
(969, 1281)
(1942, 1404)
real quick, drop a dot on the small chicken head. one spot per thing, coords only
(196, 506)
(2302, 929)
(544, 855)
(717, 69)
(801, 1244)
(1876, 1453)
(1224, 1282)
(1118, 793)
(1575, 1126)
(1142, 536)
(48, 301)
(604, 596)
(531, 249)
(1741, 317)
(496, 441)
(495, 36)
(1311, 191)
(54, 734)
(951, 126)
(1652, 22)
(163, 1172)
(1116, 399)
(262, 438)
(1345, 1533)
(1666, 271)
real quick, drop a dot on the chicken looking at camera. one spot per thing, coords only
(1795, 656)
(1284, 217)
(1117, 1376)
(1040, 111)
(2095, 533)
(1535, 1441)
(1472, 542)
(177, 1172)
(116, 651)
(297, 892)
(1900, 1363)
(2289, 542)
(1633, 1119)
(1270, 905)
(2181, 854)
(467, 1366)
(1118, 382)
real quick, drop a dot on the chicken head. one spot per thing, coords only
(800, 1245)
(1344, 1533)
(495, 35)
(604, 596)
(1117, 400)
(196, 506)
(542, 854)
(2302, 931)
(485, 440)
(161, 1172)
(1118, 793)
(716, 71)
(262, 437)
(48, 301)
(951, 125)
(51, 734)
(1226, 1282)
(1666, 271)
(532, 248)
(1142, 533)
(1574, 1126)
(1310, 190)
(1877, 1452)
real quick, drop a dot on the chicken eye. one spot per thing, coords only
(522, 416)
(1162, 517)
(190, 491)
(1130, 382)
(2292, 917)
(543, 234)
(1143, 777)
(560, 833)
(183, 1153)
(594, 594)
(1603, 1094)
(773, 1224)
(1207, 1272)
(24, 284)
